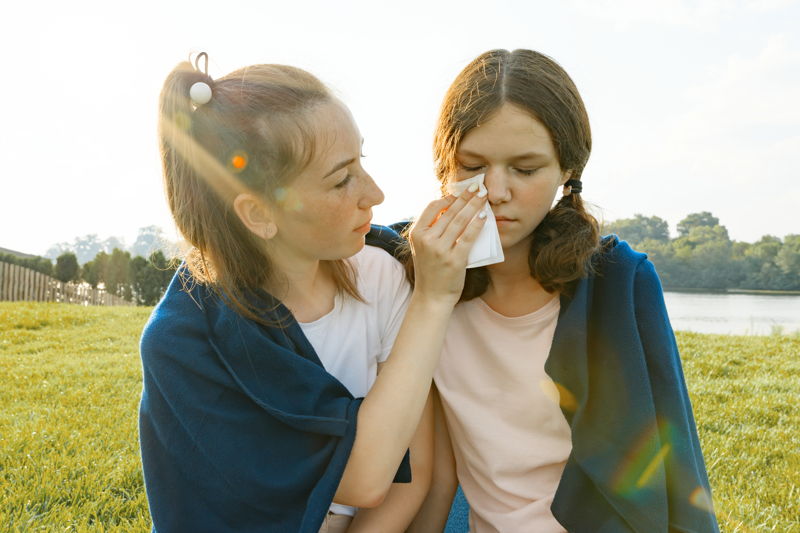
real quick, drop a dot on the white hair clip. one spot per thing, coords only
(200, 93)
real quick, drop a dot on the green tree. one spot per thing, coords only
(94, 271)
(117, 277)
(695, 220)
(637, 229)
(701, 259)
(67, 268)
(788, 257)
(151, 277)
(38, 264)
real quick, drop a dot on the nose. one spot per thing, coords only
(371, 194)
(496, 182)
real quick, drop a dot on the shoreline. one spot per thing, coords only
(762, 292)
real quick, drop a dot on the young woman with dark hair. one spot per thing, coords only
(282, 386)
(561, 403)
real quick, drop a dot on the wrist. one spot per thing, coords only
(433, 305)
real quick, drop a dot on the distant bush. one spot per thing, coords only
(39, 264)
(704, 257)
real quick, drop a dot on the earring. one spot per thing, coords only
(270, 231)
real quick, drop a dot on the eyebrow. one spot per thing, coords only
(526, 155)
(340, 166)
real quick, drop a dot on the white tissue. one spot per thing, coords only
(487, 249)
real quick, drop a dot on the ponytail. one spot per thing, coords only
(564, 245)
(254, 135)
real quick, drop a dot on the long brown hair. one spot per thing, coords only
(565, 242)
(254, 135)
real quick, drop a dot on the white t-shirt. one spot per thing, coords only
(355, 336)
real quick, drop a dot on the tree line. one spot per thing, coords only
(703, 256)
(148, 240)
(135, 278)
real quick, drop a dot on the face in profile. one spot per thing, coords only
(325, 212)
(523, 174)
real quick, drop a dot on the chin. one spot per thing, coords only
(348, 250)
(507, 242)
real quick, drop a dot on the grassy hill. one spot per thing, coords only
(71, 380)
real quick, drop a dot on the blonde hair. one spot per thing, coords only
(254, 135)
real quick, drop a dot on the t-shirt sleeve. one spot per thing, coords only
(394, 295)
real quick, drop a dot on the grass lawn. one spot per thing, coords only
(71, 380)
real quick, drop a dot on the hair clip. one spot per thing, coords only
(200, 93)
(573, 186)
(201, 55)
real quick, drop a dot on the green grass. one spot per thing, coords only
(745, 392)
(71, 379)
(69, 454)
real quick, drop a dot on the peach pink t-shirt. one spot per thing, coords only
(509, 437)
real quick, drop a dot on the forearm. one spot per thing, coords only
(391, 411)
(404, 499)
(435, 509)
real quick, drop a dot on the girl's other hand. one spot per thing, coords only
(441, 239)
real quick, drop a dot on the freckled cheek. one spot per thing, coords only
(329, 217)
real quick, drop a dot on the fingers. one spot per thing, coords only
(470, 234)
(433, 210)
(443, 222)
(461, 220)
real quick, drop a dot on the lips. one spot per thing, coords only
(364, 228)
(503, 219)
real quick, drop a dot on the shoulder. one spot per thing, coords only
(376, 268)
(178, 318)
(617, 259)
(626, 273)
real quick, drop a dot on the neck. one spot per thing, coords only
(512, 291)
(307, 288)
(513, 271)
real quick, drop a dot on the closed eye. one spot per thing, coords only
(344, 182)
(526, 171)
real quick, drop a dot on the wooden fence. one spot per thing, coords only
(18, 283)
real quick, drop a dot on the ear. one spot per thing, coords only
(255, 215)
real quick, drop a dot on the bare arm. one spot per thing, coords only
(432, 516)
(401, 504)
(391, 411)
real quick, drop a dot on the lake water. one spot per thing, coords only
(738, 314)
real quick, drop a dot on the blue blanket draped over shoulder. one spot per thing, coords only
(241, 427)
(636, 464)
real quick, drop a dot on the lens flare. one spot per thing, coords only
(701, 499)
(644, 461)
(566, 399)
(183, 121)
(239, 161)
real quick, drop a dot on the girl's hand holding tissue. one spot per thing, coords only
(441, 240)
(487, 249)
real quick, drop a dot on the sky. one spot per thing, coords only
(694, 105)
